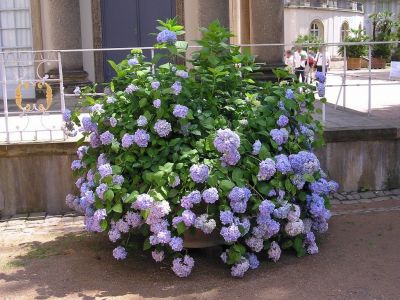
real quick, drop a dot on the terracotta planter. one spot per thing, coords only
(378, 63)
(353, 63)
(198, 239)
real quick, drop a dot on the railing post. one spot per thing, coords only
(324, 71)
(344, 76)
(5, 99)
(61, 78)
(153, 71)
(369, 79)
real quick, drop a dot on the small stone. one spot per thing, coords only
(365, 200)
(395, 197)
(36, 216)
(351, 202)
(70, 214)
(379, 193)
(353, 197)
(378, 199)
(395, 192)
(335, 202)
(339, 197)
(19, 217)
(367, 195)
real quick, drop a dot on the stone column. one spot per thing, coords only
(61, 29)
(267, 27)
(211, 10)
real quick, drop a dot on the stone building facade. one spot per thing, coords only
(86, 24)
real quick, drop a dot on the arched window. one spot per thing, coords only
(317, 29)
(344, 31)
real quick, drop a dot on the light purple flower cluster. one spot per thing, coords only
(131, 88)
(238, 198)
(210, 195)
(182, 267)
(304, 162)
(323, 187)
(166, 36)
(143, 202)
(227, 142)
(230, 233)
(88, 125)
(189, 200)
(141, 138)
(176, 88)
(158, 256)
(180, 111)
(127, 140)
(226, 217)
(310, 243)
(282, 121)
(199, 173)
(119, 253)
(289, 94)
(240, 268)
(256, 147)
(113, 121)
(133, 61)
(105, 170)
(283, 164)
(280, 136)
(142, 121)
(267, 169)
(274, 252)
(155, 85)
(204, 224)
(67, 115)
(163, 128)
(182, 74)
(106, 138)
(157, 103)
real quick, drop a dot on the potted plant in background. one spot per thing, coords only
(307, 39)
(354, 52)
(382, 25)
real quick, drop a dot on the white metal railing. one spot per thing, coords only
(48, 120)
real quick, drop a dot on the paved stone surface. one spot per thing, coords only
(358, 259)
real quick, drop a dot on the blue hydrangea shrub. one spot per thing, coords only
(171, 151)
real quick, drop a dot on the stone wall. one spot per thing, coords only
(363, 159)
(37, 177)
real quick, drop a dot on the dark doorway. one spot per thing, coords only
(128, 23)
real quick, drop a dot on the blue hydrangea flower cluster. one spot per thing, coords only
(167, 36)
(227, 143)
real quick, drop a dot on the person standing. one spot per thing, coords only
(300, 58)
(320, 59)
(289, 61)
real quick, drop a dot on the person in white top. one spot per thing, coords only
(289, 61)
(300, 58)
(320, 58)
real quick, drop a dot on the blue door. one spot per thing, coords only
(128, 23)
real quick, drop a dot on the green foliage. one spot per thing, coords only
(355, 36)
(382, 31)
(309, 41)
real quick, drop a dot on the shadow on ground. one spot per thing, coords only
(358, 260)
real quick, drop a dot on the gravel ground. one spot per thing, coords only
(358, 259)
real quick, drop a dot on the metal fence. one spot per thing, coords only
(41, 120)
